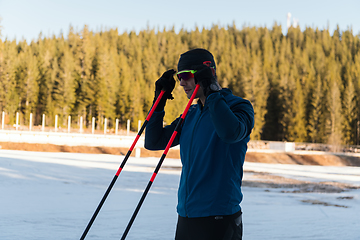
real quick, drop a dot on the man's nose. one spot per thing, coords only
(182, 82)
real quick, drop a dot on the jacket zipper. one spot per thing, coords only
(189, 154)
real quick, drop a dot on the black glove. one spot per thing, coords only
(204, 76)
(165, 82)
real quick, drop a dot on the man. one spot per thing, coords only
(213, 142)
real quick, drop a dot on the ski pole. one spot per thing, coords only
(158, 166)
(122, 165)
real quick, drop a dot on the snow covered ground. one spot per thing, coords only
(53, 196)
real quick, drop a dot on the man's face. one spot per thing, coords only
(189, 87)
(187, 81)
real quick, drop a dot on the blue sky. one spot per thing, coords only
(27, 18)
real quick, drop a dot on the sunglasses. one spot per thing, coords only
(185, 74)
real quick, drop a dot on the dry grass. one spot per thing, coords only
(284, 158)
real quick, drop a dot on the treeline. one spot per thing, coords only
(304, 85)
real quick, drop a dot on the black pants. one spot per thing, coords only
(210, 228)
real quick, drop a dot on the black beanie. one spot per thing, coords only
(195, 57)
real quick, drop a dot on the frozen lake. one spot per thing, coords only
(53, 196)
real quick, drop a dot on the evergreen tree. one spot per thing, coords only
(83, 50)
(9, 98)
(123, 93)
(256, 91)
(105, 81)
(335, 120)
(65, 82)
(315, 117)
(28, 75)
(350, 114)
(297, 128)
(286, 72)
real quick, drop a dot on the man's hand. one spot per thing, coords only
(167, 83)
(205, 77)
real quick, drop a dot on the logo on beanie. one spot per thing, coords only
(207, 63)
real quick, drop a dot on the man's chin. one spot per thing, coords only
(189, 94)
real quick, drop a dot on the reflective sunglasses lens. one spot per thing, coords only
(185, 76)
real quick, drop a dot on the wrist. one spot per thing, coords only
(212, 88)
(161, 104)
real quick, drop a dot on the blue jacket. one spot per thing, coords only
(213, 142)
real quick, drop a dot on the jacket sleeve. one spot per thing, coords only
(157, 136)
(233, 122)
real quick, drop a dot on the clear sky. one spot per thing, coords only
(27, 18)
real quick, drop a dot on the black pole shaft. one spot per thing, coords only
(99, 207)
(142, 199)
(121, 167)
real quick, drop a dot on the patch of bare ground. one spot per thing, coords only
(303, 159)
(266, 180)
(269, 181)
(284, 158)
(317, 202)
(83, 149)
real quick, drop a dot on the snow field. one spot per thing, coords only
(53, 196)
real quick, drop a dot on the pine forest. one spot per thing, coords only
(304, 86)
